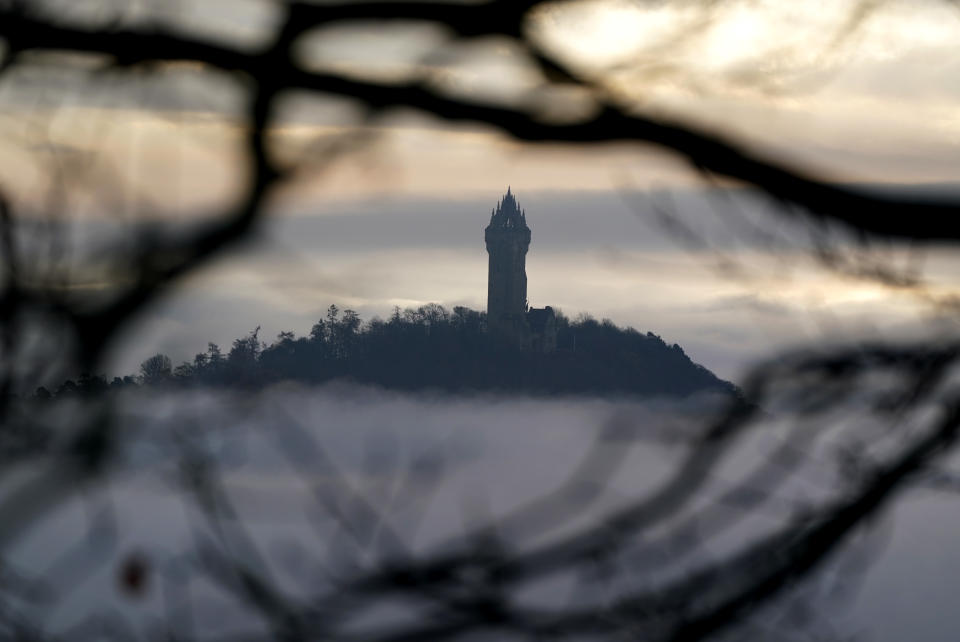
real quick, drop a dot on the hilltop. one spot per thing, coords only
(433, 348)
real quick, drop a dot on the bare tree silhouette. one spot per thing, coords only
(473, 585)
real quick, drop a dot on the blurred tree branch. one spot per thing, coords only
(474, 588)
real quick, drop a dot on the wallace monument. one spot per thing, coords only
(519, 350)
(508, 316)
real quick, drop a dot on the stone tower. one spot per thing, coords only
(508, 239)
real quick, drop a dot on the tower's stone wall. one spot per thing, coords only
(507, 275)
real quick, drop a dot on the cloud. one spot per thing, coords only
(754, 302)
(877, 105)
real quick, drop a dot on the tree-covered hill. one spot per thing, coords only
(433, 348)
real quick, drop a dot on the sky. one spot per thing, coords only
(863, 92)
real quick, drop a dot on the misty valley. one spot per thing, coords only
(331, 493)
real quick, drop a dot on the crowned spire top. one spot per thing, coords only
(508, 214)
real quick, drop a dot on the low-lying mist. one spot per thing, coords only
(316, 489)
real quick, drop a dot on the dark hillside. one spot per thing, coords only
(432, 348)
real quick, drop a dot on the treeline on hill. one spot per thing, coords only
(433, 348)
